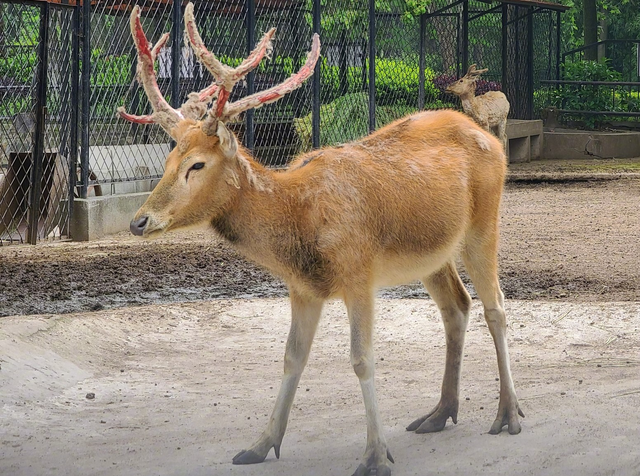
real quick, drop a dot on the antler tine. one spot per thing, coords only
(163, 114)
(270, 95)
(225, 76)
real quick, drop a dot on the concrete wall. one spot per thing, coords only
(114, 163)
(570, 144)
(96, 217)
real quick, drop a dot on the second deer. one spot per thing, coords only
(489, 110)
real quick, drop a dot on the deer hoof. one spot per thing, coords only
(382, 470)
(248, 457)
(433, 421)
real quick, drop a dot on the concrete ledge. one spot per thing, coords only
(571, 144)
(96, 217)
(524, 140)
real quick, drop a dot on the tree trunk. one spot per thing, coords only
(604, 32)
(590, 26)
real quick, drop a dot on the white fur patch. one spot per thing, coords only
(481, 139)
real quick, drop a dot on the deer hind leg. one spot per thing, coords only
(360, 308)
(480, 259)
(454, 303)
(305, 315)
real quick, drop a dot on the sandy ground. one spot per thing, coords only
(180, 388)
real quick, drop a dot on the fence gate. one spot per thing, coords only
(37, 121)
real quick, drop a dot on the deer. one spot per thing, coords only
(340, 222)
(489, 110)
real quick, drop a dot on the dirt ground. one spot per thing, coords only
(126, 357)
(570, 230)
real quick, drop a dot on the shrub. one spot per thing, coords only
(346, 119)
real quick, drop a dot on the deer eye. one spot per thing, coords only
(197, 166)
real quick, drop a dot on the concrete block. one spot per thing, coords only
(96, 217)
(571, 144)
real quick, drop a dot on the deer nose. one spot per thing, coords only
(137, 226)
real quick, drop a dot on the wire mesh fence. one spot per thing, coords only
(35, 152)
(380, 61)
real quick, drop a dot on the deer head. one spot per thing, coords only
(204, 170)
(466, 84)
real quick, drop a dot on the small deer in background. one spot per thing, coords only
(490, 110)
(340, 222)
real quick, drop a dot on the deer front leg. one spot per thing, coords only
(361, 309)
(305, 314)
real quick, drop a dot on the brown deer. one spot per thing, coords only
(341, 222)
(489, 110)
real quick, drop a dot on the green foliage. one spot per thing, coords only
(19, 68)
(346, 119)
(589, 97)
(110, 70)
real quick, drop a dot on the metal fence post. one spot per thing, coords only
(465, 36)
(372, 65)
(558, 46)
(251, 34)
(37, 155)
(422, 61)
(176, 54)
(315, 112)
(75, 85)
(505, 45)
(86, 92)
(529, 63)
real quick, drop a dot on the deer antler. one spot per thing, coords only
(472, 71)
(163, 114)
(226, 77)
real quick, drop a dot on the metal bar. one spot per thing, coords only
(372, 65)
(535, 10)
(558, 47)
(249, 136)
(530, 75)
(315, 112)
(485, 12)
(599, 113)
(465, 35)
(443, 9)
(591, 83)
(35, 191)
(75, 93)
(176, 54)
(505, 45)
(86, 93)
(422, 61)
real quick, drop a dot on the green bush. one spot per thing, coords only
(588, 97)
(346, 119)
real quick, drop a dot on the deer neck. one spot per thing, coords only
(247, 220)
(467, 99)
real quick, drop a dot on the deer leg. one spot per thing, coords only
(305, 315)
(480, 259)
(361, 315)
(454, 303)
(501, 132)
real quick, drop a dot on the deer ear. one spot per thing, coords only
(228, 142)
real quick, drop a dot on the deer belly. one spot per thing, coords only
(392, 270)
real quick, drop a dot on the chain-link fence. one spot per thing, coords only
(380, 61)
(35, 121)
